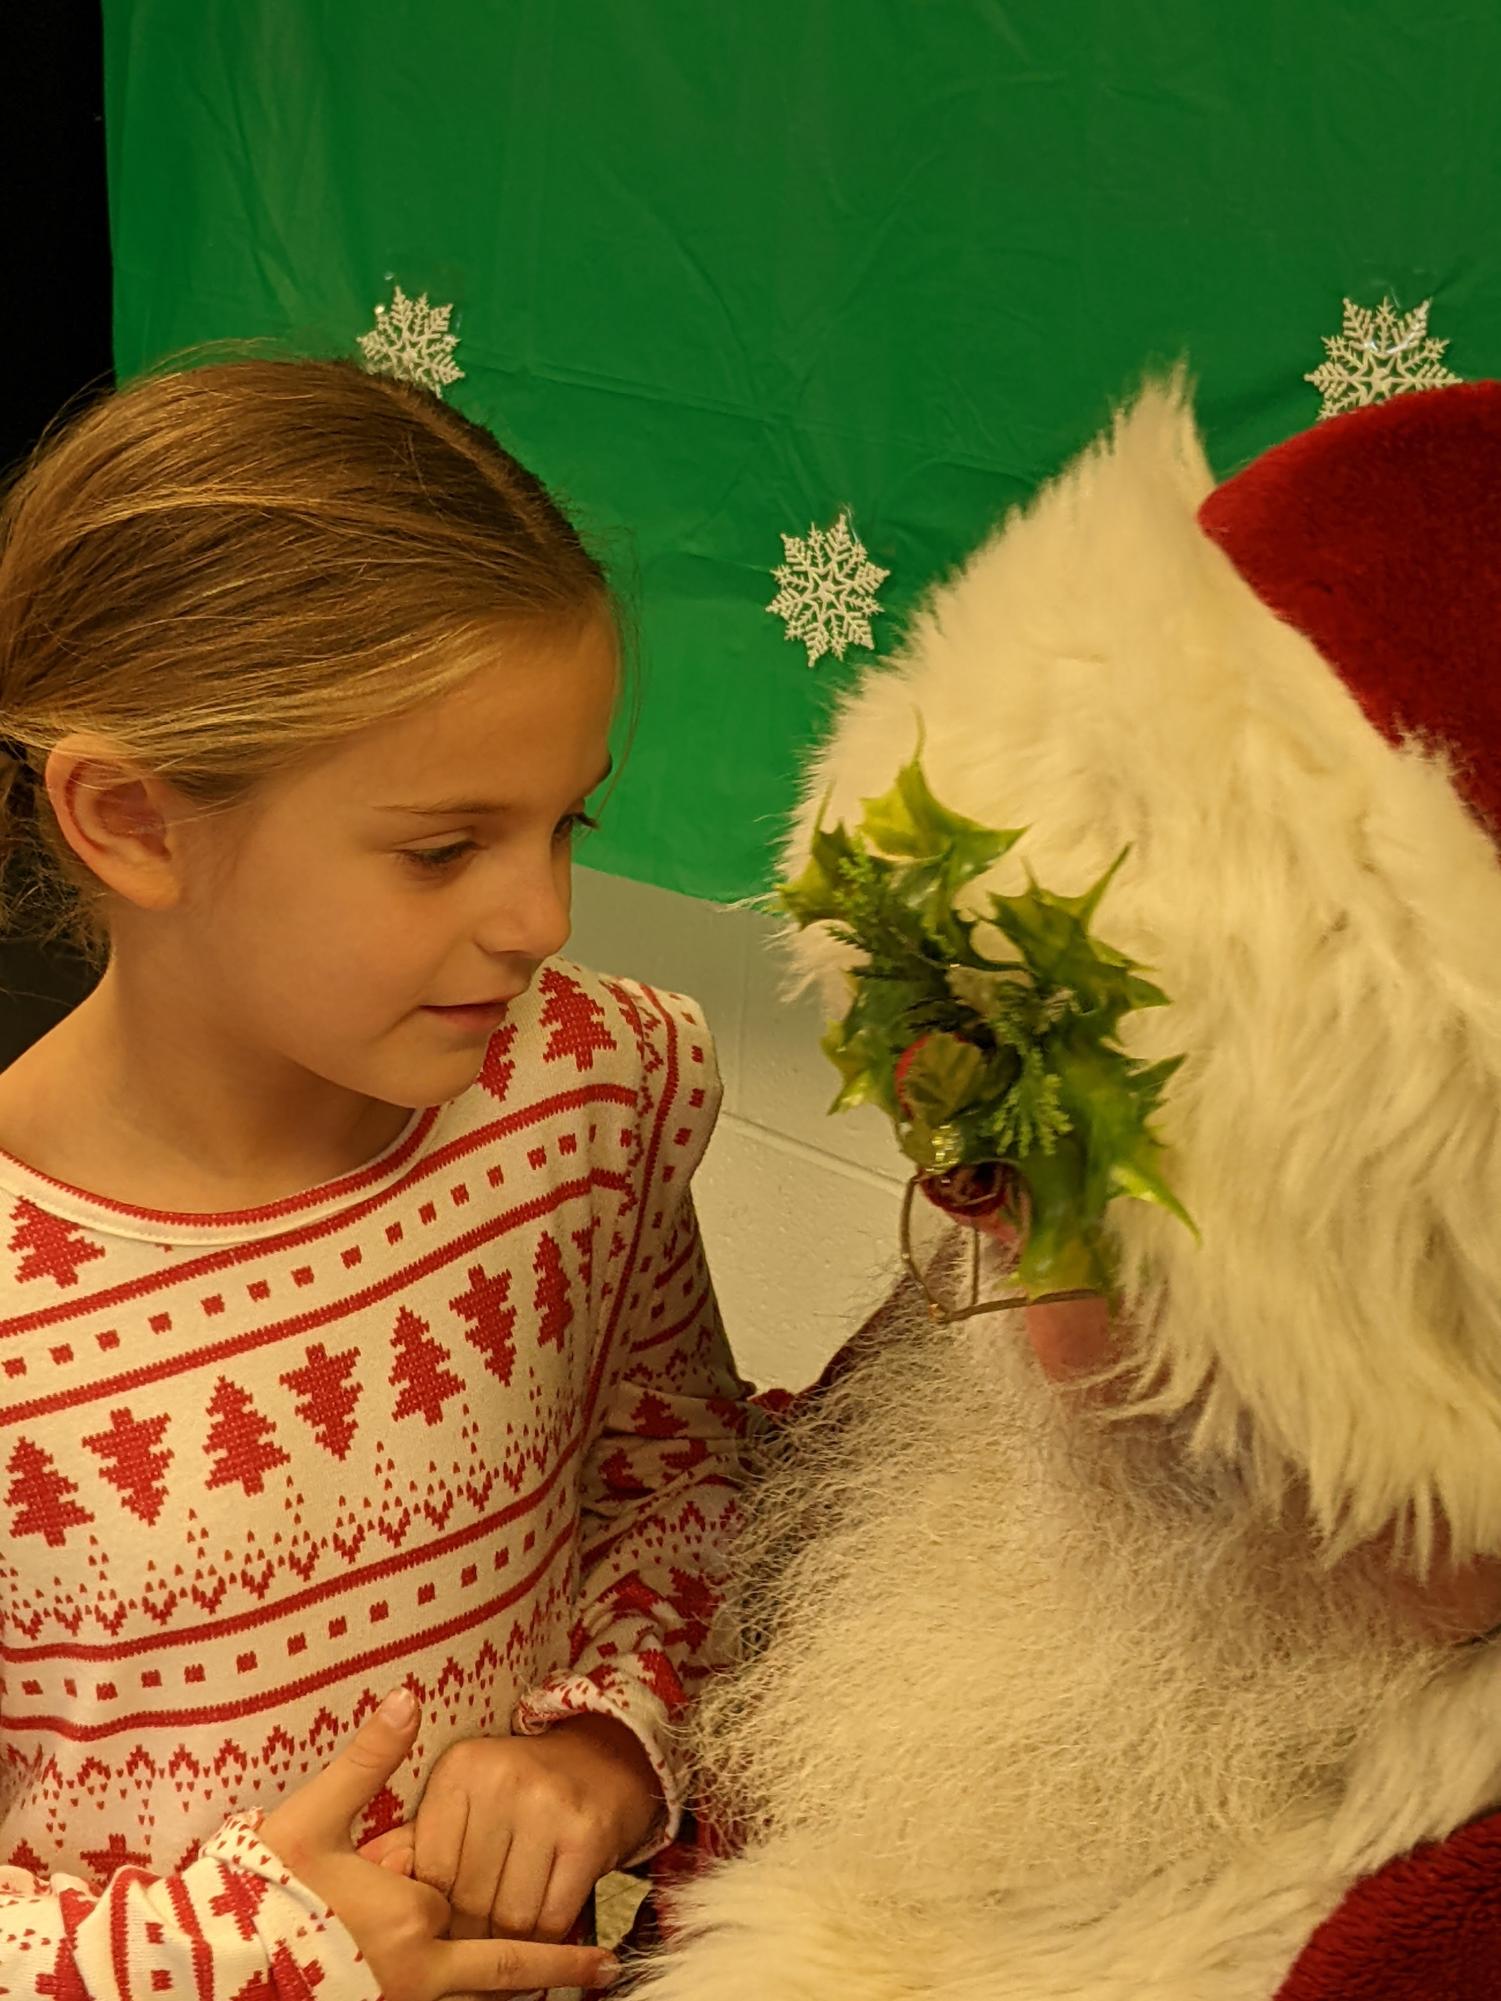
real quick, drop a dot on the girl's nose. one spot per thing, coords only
(534, 923)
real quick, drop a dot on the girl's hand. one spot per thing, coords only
(399, 1926)
(516, 1831)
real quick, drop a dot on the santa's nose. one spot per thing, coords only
(1073, 1339)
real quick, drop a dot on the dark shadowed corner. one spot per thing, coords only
(56, 343)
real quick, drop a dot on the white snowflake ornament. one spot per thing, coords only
(828, 590)
(410, 340)
(1378, 353)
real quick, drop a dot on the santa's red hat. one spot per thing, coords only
(1378, 536)
(1280, 693)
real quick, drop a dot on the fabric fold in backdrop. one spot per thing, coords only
(871, 269)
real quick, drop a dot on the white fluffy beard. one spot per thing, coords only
(1009, 1646)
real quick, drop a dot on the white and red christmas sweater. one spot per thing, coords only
(465, 1419)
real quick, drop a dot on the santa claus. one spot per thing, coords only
(1148, 1651)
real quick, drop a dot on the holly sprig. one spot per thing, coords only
(988, 1033)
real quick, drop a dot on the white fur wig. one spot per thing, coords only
(1324, 911)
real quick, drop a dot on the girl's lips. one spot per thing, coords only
(475, 1016)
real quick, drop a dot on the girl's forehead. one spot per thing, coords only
(529, 722)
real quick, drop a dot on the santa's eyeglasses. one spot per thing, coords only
(952, 1278)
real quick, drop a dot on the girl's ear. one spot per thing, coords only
(121, 822)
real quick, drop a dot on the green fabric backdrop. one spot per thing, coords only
(719, 271)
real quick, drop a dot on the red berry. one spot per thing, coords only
(904, 1063)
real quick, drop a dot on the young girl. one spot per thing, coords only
(355, 1336)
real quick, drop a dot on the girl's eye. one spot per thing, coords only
(572, 825)
(434, 859)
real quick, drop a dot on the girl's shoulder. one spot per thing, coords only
(579, 1036)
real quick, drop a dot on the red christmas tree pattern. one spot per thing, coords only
(583, 1243)
(554, 1307)
(695, 1601)
(384, 1812)
(576, 1019)
(491, 1320)
(39, 1494)
(65, 1982)
(653, 1417)
(419, 1368)
(138, 1459)
(327, 1396)
(499, 1066)
(243, 1439)
(662, 1678)
(240, 1899)
(288, 1979)
(259, 1987)
(49, 1246)
(116, 1854)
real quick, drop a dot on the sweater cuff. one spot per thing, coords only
(305, 1945)
(561, 1696)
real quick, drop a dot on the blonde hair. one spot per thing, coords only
(220, 569)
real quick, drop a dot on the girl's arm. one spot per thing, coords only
(238, 1925)
(233, 1921)
(659, 1514)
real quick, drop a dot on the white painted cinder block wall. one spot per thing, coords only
(799, 1210)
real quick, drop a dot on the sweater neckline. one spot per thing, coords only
(104, 1214)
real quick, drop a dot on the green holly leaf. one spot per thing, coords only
(932, 1149)
(895, 1009)
(1143, 1180)
(940, 1078)
(1062, 1252)
(1111, 1100)
(820, 894)
(864, 1064)
(1003, 1059)
(908, 820)
(992, 991)
(1050, 931)
(1052, 935)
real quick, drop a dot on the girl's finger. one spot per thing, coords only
(523, 1885)
(573, 1877)
(398, 1860)
(477, 1883)
(438, 1837)
(320, 1811)
(379, 1846)
(516, 1966)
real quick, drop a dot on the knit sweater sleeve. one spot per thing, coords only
(231, 1926)
(667, 1454)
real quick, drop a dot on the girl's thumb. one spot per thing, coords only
(325, 1807)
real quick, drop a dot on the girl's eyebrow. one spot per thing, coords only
(479, 809)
